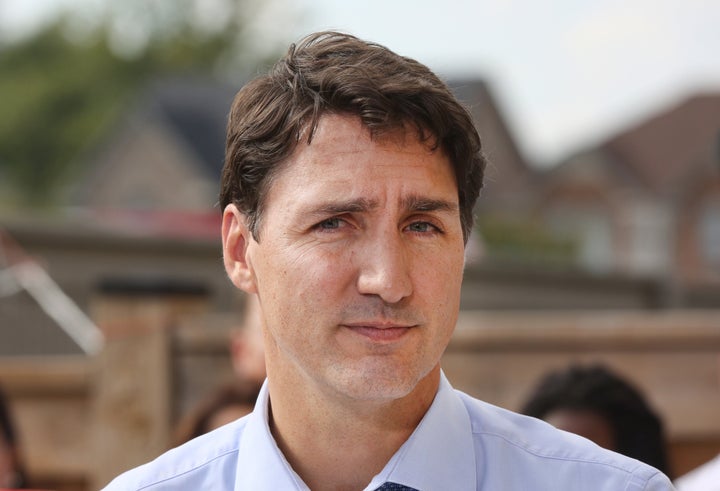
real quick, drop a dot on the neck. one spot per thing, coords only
(334, 442)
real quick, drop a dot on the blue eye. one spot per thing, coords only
(421, 227)
(329, 224)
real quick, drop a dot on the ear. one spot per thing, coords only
(236, 238)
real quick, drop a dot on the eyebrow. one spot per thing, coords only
(419, 203)
(350, 206)
(409, 203)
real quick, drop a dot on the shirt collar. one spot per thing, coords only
(261, 464)
(439, 454)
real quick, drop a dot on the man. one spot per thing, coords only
(349, 183)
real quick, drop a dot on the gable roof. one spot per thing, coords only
(196, 110)
(492, 126)
(666, 148)
(165, 151)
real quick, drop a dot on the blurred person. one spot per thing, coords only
(707, 476)
(704, 478)
(12, 471)
(225, 405)
(593, 402)
(246, 344)
(348, 190)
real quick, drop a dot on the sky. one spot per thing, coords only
(566, 74)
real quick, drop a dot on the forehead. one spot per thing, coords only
(343, 151)
(339, 136)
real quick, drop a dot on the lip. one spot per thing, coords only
(383, 332)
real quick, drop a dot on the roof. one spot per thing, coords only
(197, 110)
(666, 148)
(490, 122)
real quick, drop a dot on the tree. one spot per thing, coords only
(61, 90)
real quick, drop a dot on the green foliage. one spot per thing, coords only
(525, 242)
(58, 96)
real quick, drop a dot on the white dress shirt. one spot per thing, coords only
(704, 478)
(460, 444)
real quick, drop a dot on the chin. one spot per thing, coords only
(381, 383)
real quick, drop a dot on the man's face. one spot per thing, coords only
(359, 262)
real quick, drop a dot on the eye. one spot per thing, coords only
(422, 227)
(329, 224)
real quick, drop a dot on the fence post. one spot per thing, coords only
(134, 384)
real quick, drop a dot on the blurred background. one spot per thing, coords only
(597, 238)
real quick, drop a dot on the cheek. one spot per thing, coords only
(441, 284)
(442, 272)
(319, 271)
(305, 283)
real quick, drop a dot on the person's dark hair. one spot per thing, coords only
(10, 438)
(637, 428)
(330, 72)
(7, 429)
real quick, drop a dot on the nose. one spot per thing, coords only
(384, 269)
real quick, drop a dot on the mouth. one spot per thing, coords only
(382, 332)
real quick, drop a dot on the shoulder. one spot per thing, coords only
(510, 443)
(185, 467)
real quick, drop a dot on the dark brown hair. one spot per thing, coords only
(9, 437)
(339, 73)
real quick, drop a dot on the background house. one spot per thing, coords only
(508, 177)
(165, 153)
(645, 202)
